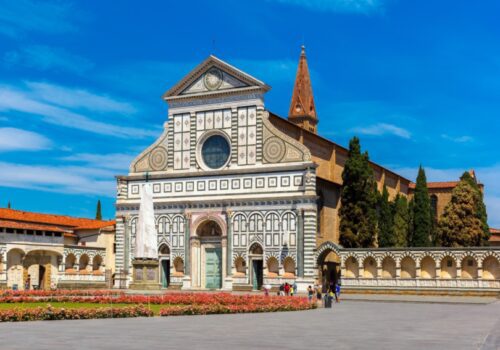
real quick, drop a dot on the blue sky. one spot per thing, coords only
(80, 84)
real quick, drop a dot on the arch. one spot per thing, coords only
(351, 267)
(325, 249)
(208, 218)
(289, 266)
(469, 267)
(491, 268)
(272, 267)
(389, 267)
(96, 264)
(240, 266)
(69, 265)
(178, 266)
(209, 228)
(256, 249)
(83, 263)
(408, 267)
(428, 267)
(164, 249)
(369, 267)
(448, 267)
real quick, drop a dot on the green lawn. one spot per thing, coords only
(9, 306)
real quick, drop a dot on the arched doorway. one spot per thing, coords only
(328, 266)
(40, 268)
(209, 254)
(164, 257)
(255, 255)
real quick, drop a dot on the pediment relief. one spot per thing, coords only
(211, 76)
(279, 147)
(212, 80)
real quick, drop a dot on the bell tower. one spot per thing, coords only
(302, 109)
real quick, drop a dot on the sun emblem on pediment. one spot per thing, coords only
(212, 79)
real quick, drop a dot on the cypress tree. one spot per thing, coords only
(401, 221)
(422, 223)
(8, 205)
(358, 215)
(98, 214)
(480, 207)
(459, 225)
(385, 221)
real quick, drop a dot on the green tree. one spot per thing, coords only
(409, 236)
(422, 219)
(358, 215)
(459, 225)
(98, 214)
(386, 236)
(401, 221)
(480, 207)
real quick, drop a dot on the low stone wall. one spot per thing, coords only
(465, 269)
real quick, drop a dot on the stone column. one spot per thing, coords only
(418, 271)
(229, 257)
(300, 243)
(459, 271)
(361, 270)
(398, 269)
(438, 270)
(187, 245)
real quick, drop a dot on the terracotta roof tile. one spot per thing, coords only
(29, 226)
(51, 219)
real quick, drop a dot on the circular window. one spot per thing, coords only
(215, 151)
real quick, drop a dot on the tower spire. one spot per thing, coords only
(302, 109)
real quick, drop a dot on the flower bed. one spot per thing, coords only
(287, 304)
(50, 313)
(167, 299)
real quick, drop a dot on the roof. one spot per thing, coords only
(29, 226)
(336, 145)
(447, 184)
(51, 219)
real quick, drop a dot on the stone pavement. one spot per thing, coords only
(349, 325)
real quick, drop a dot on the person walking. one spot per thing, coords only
(282, 289)
(294, 286)
(318, 294)
(337, 293)
(287, 289)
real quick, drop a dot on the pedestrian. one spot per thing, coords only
(294, 287)
(282, 289)
(337, 293)
(291, 291)
(331, 295)
(310, 293)
(318, 294)
(287, 289)
(28, 283)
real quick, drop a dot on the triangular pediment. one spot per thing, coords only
(214, 76)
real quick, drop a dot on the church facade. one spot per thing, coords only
(242, 197)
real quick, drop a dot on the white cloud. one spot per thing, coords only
(114, 161)
(381, 129)
(48, 58)
(13, 99)
(486, 175)
(80, 180)
(355, 6)
(13, 139)
(78, 98)
(21, 16)
(458, 139)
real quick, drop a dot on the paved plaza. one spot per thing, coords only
(349, 325)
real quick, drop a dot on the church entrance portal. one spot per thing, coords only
(210, 255)
(256, 259)
(164, 256)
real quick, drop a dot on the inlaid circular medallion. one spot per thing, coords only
(213, 79)
(158, 159)
(274, 150)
